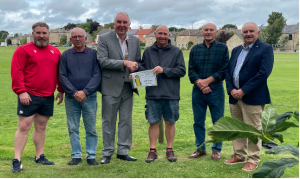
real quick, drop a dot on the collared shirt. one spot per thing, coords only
(84, 51)
(239, 64)
(205, 62)
(122, 45)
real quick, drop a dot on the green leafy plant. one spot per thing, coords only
(228, 129)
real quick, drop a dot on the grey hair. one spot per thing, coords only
(124, 13)
(41, 24)
(76, 28)
(209, 23)
(250, 23)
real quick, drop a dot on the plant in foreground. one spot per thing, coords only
(228, 129)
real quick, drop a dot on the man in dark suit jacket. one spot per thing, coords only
(246, 81)
(117, 54)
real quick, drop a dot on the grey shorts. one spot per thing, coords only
(155, 108)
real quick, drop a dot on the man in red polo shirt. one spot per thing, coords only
(34, 73)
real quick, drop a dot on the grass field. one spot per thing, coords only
(284, 88)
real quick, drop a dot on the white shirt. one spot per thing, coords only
(122, 45)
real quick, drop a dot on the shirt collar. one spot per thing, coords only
(211, 44)
(84, 51)
(120, 38)
(249, 46)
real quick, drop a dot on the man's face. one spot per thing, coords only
(41, 36)
(209, 32)
(162, 36)
(121, 24)
(250, 33)
(78, 38)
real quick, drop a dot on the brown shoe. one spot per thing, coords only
(215, 155)
(234, 160)
(197, 154)
(249, 167)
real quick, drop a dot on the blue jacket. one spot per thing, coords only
(253, 76)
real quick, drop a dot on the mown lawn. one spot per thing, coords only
(284, 87)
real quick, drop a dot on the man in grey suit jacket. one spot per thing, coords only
(117, 54)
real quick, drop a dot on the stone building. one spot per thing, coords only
(142, 33)
(185, 36)
(234, 41)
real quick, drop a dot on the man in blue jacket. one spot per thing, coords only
(80, 76)
(246, 81)
(167, 63)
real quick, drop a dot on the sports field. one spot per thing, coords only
(284, 88)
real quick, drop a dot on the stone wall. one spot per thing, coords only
(233, 42)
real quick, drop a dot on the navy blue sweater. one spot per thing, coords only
(79, 71)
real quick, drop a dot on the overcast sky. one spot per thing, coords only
(17, 16)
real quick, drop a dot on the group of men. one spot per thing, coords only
(37, 68)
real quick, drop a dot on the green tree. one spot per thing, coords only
(8, 41)
(173, 29)
(229, 26)
(283, 40)
(276, 23)
(23, 41)
(94, 34)
(264, 36)
(109, 25)
(16, 35)
(63, 39)
(190, 43)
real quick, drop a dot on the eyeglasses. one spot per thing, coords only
(79, 36)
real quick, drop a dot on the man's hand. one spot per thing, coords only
(59, 95)
(130, 77)
(206, 90)
(25, 98)
(157, 70)
(203, 83)
(240, 94)
(80, 96)
(132, 66)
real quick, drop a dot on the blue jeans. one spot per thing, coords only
(215, 101)
(88, 109)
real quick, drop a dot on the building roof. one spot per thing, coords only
(191, 32)
(288, 29)
(131, 32)
(59, 30)
(88, 35)
(104, 31)
(144, 32)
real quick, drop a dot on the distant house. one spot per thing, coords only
(193, 35)
(132, 31)
(103, 31)
(56, 34)
(142, 33)
(89, 38)
(150, 39)
(234, 41)
(16, 40)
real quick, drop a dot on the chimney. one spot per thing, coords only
(152, 27)
(141, 27)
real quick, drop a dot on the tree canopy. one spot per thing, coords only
(229, 26)
(276, 23)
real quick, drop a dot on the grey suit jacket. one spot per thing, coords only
(111, 60)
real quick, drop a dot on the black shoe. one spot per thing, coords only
(43, 160)
(151, 156)
(92, 161)
(105, 159)
(17, 165)
(170, 155)
(74, 161)
(126, 157)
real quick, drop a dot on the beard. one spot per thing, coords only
(40, 43)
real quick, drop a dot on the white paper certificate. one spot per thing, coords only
(143, 78)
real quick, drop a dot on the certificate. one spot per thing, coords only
(143, 78)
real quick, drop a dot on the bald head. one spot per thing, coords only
(209, 24)
(251, 23)
(79, 30)
(162, 27)
(162, 36)
(209, 32)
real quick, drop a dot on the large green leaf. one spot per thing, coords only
(296, 115)
(284, 149)
(284, 116)
(227, 128)
(282, 126)
(275, 169)
(268, 119)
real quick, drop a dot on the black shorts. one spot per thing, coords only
(41, 105)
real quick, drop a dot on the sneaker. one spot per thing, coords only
(234, 160)
(43, 160)
(92, 161)
(151, 156)
(170, 155)
(74, 161)
(17, 165)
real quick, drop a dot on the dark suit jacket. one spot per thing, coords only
(253, 75)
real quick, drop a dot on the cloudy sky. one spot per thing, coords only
(17, 16)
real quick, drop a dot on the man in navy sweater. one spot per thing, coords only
(80, 76)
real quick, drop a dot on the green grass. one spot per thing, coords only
(284, 87)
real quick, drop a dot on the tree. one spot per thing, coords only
(94, 34)
(264, 36)
(94, 26)
(276, 24)
(16, 35)
(69, 26)
(85, 26)
(200, 28)
(283, 40)
(109, 25)
(190, 43)
(173, 29)
(229, 26)
(23, 41)
(181, 29)
(63, 39)
(223, 37)
(8, 41)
